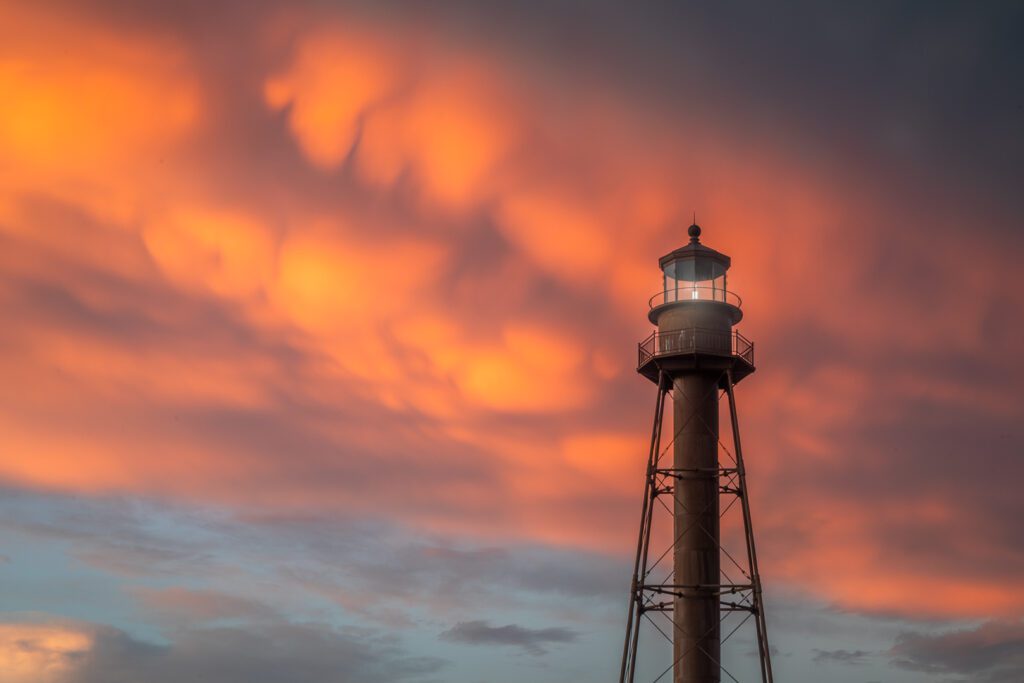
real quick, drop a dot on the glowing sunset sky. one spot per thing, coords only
(319, 326)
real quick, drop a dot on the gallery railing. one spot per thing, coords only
(695, 340)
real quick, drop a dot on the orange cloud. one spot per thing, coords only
(333, 81)
(533, 370)
(609, 457)
(350, 95)
(459, 358)
(568, 239)
(87, 104)
(846, 557)
(454, 133)
(336, 279)
(37, 653)
(228, 253)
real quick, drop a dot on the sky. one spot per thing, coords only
(319, 325)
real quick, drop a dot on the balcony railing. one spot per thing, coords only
(695, 340)
(673, 295)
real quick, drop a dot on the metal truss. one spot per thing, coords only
(651, 598)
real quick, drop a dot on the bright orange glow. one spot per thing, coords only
(72, 124)
(533, 370)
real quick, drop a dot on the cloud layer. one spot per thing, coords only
(309, 653)
(992, 652)
(362, 264)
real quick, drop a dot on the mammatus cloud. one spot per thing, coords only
(340, 270)
(530, 640)
(990, 653)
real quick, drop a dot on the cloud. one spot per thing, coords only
(324, 118)
(352, 264)
(429, 116)
(530, 640)
(89, 106)
(202, 606)
(195, 565)
(840, 656)
(77, 652)
(40, 653)
(302, 653)
(229, 253)
(992, 652)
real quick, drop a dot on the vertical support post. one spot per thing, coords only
(629, 647)
(696, 553)
(755, 574)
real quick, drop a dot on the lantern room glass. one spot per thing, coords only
(699, 279)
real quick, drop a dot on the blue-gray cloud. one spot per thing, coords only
(840, 656)
(990, 653)
(530, 640)
(267, 653)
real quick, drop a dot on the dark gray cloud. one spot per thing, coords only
(298, 653)
(531, 640)
(990, 653)
(840, 656)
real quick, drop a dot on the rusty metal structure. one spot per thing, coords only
(694, 593)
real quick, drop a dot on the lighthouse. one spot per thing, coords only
(695, 357)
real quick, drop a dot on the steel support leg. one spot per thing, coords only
(628, 671)
(755, 575)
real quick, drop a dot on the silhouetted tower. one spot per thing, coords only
(696, 356)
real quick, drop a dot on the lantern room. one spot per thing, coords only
(694, 273)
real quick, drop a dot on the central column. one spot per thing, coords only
(697, 633)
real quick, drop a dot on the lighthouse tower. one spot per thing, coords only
(688, 592)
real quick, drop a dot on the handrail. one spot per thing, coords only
(688, 293)
(695, 340)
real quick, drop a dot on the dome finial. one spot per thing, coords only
(694, 230)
